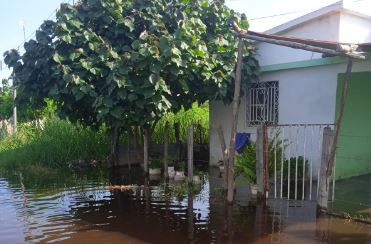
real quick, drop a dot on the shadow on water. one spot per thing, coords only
(77, 208)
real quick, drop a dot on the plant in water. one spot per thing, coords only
(180, 190)
(155, 164)
(246, 161)
(181, 166)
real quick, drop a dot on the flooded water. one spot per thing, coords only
(79, 209)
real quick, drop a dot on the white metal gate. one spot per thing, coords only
(294, 156)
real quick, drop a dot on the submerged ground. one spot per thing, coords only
(77, 208)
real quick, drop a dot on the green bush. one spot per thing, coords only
(52, 144)
(246, 161)
(155, 163)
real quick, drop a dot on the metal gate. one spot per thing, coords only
(294, 157)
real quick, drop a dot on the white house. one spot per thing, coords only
(299, 87)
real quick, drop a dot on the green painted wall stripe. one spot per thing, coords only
(307, 63)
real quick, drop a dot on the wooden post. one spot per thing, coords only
(260, 161)
(14, 110)
(344, 95)
(190, 154)
(166, 149)
(145, 151)
(235, 110)
(324, 180)
(265, 160)
(225, 156)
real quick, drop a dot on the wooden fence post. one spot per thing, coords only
(190, 154)
(166, 149)
(324, 180)
(260, 161)
(145, 151)
(265, 160)
(225, 156)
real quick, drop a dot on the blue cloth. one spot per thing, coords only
(242, 139)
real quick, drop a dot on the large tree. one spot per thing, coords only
(126, 63)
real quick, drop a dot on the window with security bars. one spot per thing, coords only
(262, 103)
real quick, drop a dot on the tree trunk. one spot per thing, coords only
(115, 146)
(236, 107)
(129, 132)
(166, 149)
(145, 150)
(137, 147)
(177, 141)
(190, 154)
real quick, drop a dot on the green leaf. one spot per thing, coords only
(91, 46)
(129, 22)
(132, 97)
(57, 58)
(117, 112)
(176, 51)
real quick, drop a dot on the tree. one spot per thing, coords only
(127, 63)
(6, 100)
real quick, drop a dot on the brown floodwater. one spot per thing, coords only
(79, 209)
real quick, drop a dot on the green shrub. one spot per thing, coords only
(155, 164)
(53, 144)
(246, 161)
(181, 166)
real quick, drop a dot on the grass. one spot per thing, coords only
(52, 145)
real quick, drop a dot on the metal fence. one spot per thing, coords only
(294, 156)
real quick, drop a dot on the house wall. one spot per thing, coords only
(338, 27)
(306, 96)
(220, 115)
(354, 29)
(353, 157)
(326, 28)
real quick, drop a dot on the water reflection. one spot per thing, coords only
(76, 208)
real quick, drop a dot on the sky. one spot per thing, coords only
(34, 12)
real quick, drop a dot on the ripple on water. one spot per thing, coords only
(91, 214)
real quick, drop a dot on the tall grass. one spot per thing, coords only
(198, 116)
(52, 145)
